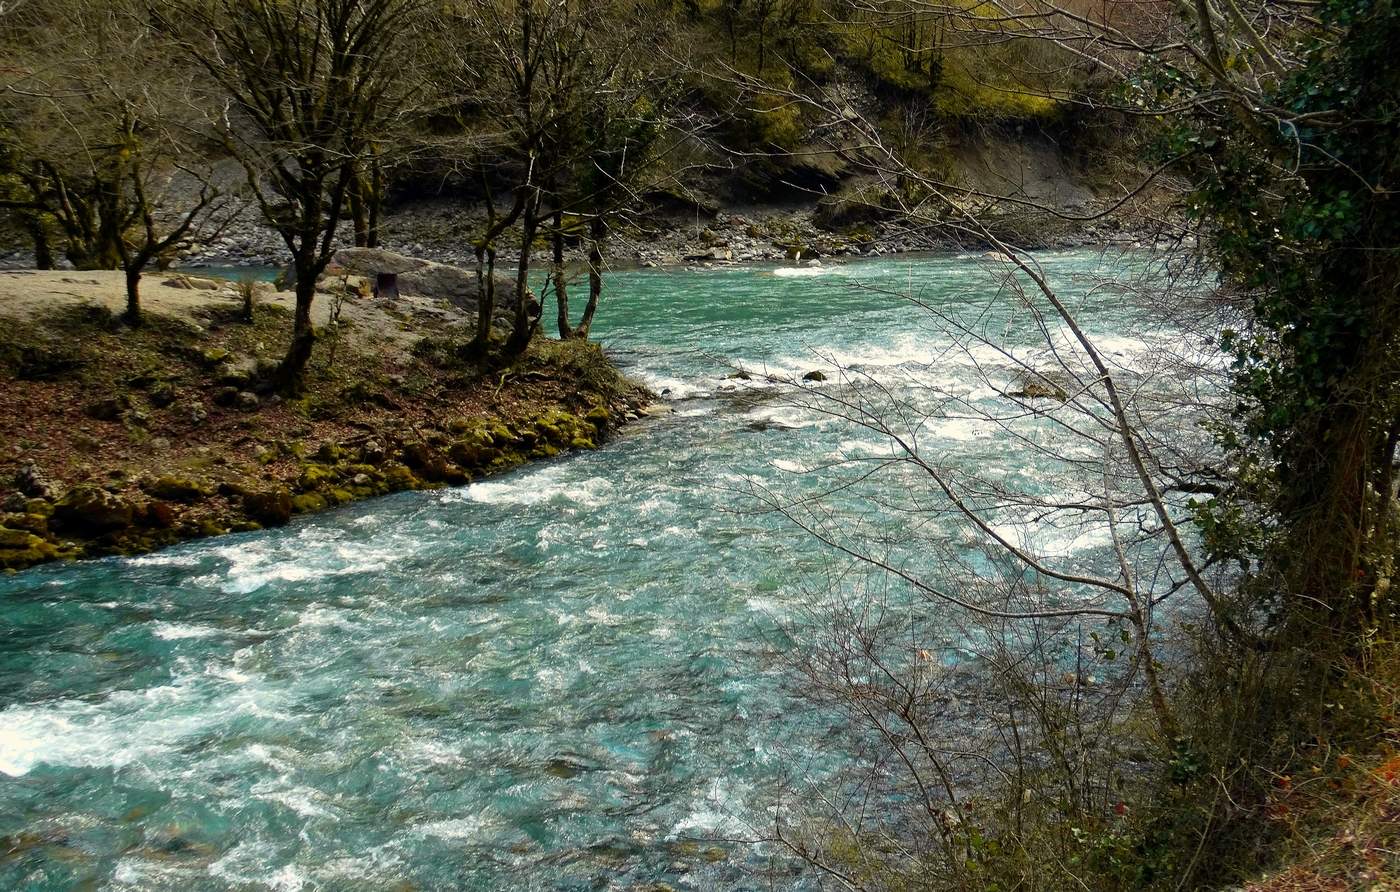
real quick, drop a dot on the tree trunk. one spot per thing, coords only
(523, 326)
(375, 204)
(43, 251)
(359, 211)
(561, 285)
(290, 376)
(486, 299)
(597, 234)
(133, 296)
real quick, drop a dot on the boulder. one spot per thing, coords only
(92, 509)
(413, 277)
(34, 484)
(193, 283)
(814, 376)
(1035, 390)
(272, 507)
(20, 548)
(109, 409)
(178, 489)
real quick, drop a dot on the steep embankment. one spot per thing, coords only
(121, 440)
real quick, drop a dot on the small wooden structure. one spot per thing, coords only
(386, 285)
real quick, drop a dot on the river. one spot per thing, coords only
(569, 676)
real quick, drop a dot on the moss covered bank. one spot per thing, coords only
(120, 440)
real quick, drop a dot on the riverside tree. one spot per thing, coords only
(93, 149)
(312, 87)
(573, 119)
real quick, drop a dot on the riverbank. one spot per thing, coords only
(122, 441)
(443, 231)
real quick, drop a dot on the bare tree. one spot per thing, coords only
(312, 84)
(94, 143)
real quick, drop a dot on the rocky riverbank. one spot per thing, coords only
(121, 440)
(443, 230)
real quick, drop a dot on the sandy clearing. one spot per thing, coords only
(26, 293)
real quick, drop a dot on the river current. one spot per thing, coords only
(565, 677)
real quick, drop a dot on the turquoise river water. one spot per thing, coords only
(565, 677)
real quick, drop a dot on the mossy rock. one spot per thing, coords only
(599, 417)
(178, 489)
(314, 476)
(508, 458)
(472, 452)
(272, 507)
(398, 477)
(308, 502)
(21, 548)
(1037, 390)
(500, 434)
(33, 523)
(340, 496)
(582, 443)
(92, 509)
(39, 506)
(328, 453)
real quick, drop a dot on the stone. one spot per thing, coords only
(193, 283)
(194, 412)
(313, 476)
(92, 509)
(427, 462)
(19, 548)
(34, 484)
(246, 400)
(814, 376)
(226, 397)
(417, 278)
(109, 409)
(372, 452)
(1039, 390)
(270, 507)
(398, 477)
(159, 514)
(237, 372)
(328, 453)
(308, 502)
(179, 489)
(162, 394)
(37, 524)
